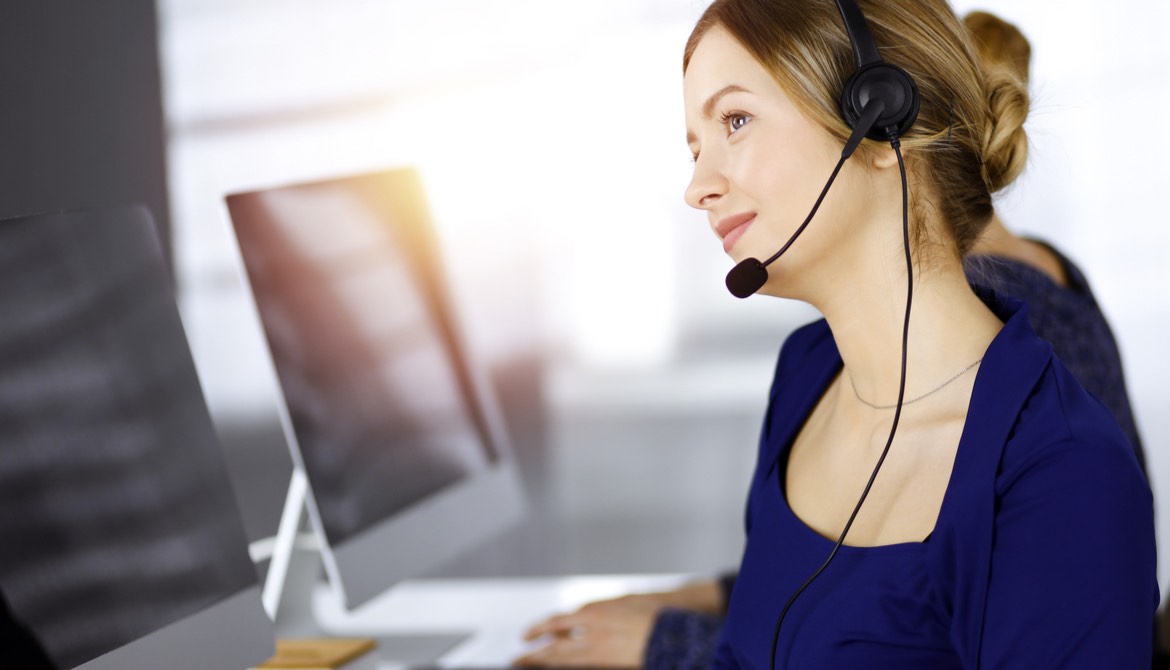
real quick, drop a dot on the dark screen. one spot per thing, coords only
(345, 278)
(116, 513)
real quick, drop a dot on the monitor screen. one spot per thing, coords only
(386, 412)
(117, 519)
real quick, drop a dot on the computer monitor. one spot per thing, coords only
(120, 542)
(393, 424)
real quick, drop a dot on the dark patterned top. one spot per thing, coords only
(1067, 316)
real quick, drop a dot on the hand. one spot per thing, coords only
(611, 633)
(603, 634)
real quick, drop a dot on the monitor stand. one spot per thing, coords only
(295, 581)
(442, 623)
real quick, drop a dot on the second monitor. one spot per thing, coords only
(392, 423)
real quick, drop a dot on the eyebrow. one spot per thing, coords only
(709, 105)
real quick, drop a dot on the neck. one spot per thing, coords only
(950, 328)
(853, 269)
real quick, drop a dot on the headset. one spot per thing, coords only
(879, 101)
(875, 82)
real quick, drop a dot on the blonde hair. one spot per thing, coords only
(999, 43)
(968, 141)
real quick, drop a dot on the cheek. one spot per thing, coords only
(764, 170)
(783, 177)
(777, 174)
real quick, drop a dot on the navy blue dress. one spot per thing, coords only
(1067, 316)
(1042, 556)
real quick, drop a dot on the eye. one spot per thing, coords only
(733, 121)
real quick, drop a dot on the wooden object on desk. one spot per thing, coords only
(324, 653)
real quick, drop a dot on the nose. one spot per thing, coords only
(708, 184)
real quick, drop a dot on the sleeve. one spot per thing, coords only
(683, 640)
(1073, 569)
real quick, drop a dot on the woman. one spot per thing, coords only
(1063, 311)
(1009, 524)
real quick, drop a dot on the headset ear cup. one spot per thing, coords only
(889, 83)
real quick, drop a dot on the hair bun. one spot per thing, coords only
(1005, 143)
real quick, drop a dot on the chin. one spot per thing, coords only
(740, 253)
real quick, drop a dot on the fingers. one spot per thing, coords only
(573, 642)
(560, 625)
(561, 652)
(577, 653)
(589, 614)
(634, 613)
(608, 633)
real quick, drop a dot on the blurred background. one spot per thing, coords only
(550, 138)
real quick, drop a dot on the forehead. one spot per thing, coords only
(718, 61)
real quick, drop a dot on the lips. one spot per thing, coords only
(731, 228)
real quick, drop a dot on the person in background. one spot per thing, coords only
(679, 629)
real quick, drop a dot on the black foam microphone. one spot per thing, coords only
(750, 275)
(747, 277)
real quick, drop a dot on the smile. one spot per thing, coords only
(733, 227)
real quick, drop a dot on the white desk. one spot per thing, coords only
(492, 613)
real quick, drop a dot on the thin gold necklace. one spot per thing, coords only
(932, 391)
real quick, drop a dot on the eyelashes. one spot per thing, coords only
(733, 122)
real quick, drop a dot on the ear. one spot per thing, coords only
(883, 157)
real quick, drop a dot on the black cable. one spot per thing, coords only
(897, 146)
(807, 219)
